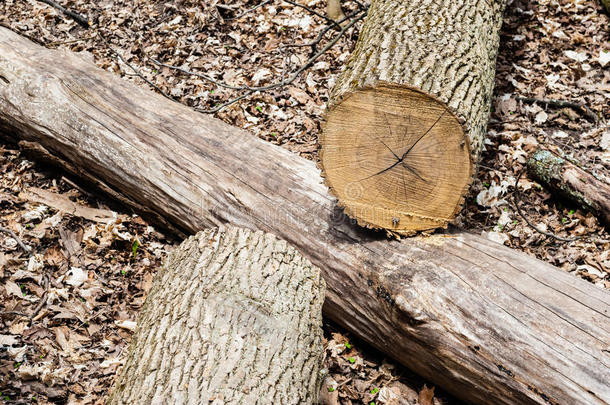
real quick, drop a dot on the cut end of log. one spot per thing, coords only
(396, 158)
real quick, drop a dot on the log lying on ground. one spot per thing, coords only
(571, 182)
(488, 324)
(407, 117)
(234, 316)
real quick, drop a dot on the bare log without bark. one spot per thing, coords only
(571, 182)
(489, 324)
(233, 316)
(408, 115)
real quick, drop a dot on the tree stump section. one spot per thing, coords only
(407, 117)
(572, 182)
(489, 324)
(234, 317)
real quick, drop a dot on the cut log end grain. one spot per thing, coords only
(396, 158)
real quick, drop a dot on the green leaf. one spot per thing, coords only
(348, 345)
(259, 108)
(134, 247)
(375, 390)
(571, 212)
(331, 389)
(352, 360)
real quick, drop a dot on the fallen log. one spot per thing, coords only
(408, 115)
(571, 181)
(233, 316)
(488, 324)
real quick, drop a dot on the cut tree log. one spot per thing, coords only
(486, 323)
(408, 115)
(233, 316)
(571, 181)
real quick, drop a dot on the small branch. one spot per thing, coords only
(140, 75)
(248, 11)
(534, 227)
(221, 106)
(320, 36)
(19, 242)
(43, 299)
(328, 19)
(75, 16)
(252, 89)
(562, 104)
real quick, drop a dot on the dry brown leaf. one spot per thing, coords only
(426, 396)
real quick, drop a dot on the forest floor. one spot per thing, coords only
(69, 300)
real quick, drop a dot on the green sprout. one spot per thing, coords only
(564, 220)
(134, 247)
(348, 345)
(259, 108)
(375, 390)
(123, 272)
(571, 212)
(352, 360)
(331, 389)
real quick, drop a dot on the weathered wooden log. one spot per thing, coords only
(233, 316)
(407, 117)
(488, 324)
(571, 181)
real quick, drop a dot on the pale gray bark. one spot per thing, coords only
(446, 48)
(488, 324)
(234, 317)
(570, 181)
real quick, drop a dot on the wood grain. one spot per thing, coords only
(420, 69)
(488, 324)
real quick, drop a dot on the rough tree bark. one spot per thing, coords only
(489, 324)
(234, 316)
(407, 116)
(333, 10)
(571, 182)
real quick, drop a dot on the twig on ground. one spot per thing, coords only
(16, 313)
(137, 72)
(577, 105)
(534, 227)
(313, 44)
(314, 12)
(75, 16)
(252, 89)
(19, 242)
(221, 106)
(249, 10)
(43, 299)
